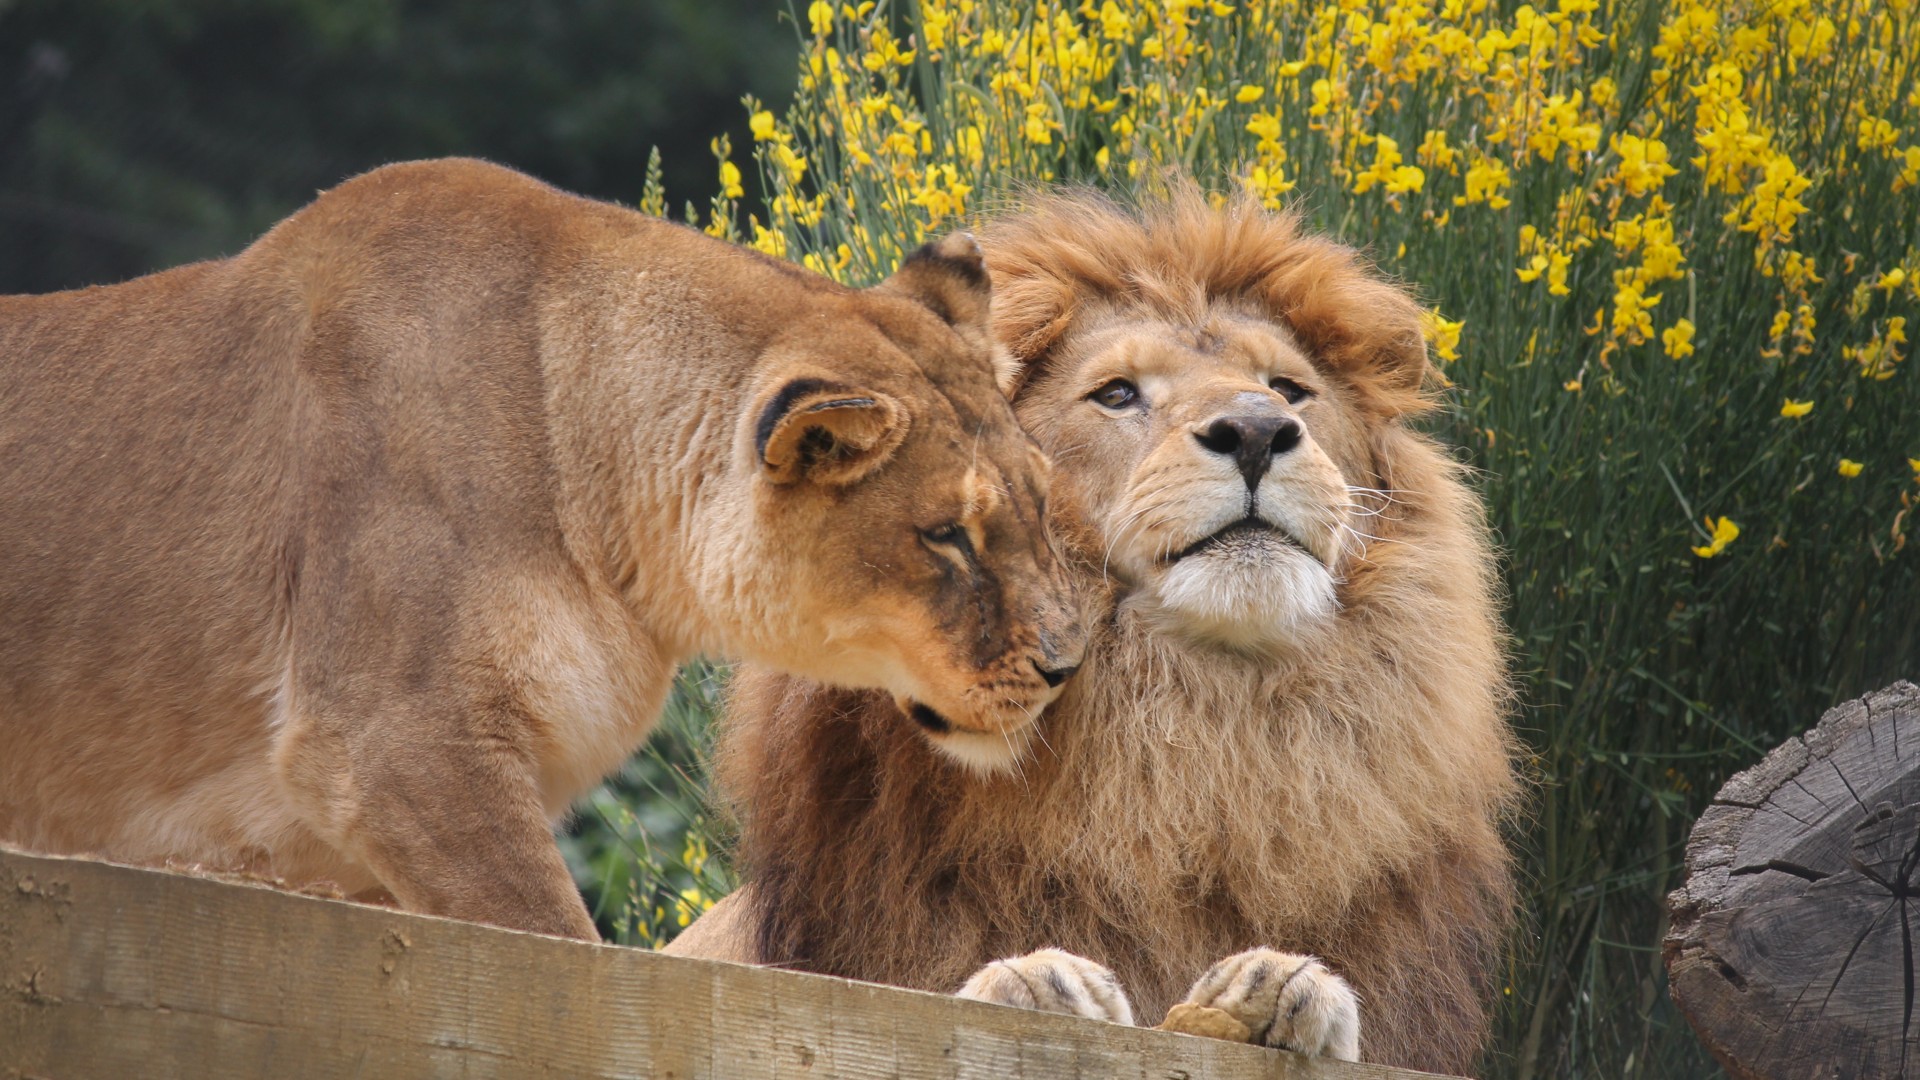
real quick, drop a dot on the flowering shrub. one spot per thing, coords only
(1671, 254)
(625, 835)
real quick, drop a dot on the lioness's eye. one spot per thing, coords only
(950, 533)
(1117, 394)
(1287, 388)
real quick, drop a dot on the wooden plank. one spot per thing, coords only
(113, 971)
(1790, 949)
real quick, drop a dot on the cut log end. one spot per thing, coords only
(1791, 950)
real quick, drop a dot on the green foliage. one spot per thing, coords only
(644, 845)
(1650, 232)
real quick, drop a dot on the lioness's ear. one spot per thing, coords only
(826, 433)
(948, 277)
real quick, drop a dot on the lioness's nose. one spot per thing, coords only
(1251, 441)
(1061, 646)
(1055, 676)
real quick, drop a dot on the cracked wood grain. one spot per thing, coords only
(1791, 945)
(111, 971)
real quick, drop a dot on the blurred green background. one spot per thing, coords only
(140, 134)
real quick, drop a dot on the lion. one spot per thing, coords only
(1287, 744)
(357, 556)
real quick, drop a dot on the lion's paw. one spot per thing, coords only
(1052, 980)
(1286, 1000)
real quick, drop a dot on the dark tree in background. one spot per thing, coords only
(140, 134)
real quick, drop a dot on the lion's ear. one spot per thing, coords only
(826, 433)
(1033, 307)
(1388, 367)
(948, 277)
(1403, 368)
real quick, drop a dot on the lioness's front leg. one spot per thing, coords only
(439, 803)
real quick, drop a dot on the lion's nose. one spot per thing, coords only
(1251, 441)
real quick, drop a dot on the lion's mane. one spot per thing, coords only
(1344, 799)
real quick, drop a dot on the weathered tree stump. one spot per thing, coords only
(1791, 950)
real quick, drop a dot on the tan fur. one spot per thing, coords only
(358, 555)
(1321, 775)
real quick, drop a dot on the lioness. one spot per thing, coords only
(358, 555)
(1289, 731)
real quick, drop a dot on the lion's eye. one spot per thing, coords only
(951, 534)
(1287, 388)
(1117, 394)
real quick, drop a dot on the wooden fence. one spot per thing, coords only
(119, 973)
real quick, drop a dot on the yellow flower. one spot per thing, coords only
(1724, 532)
(766, 240)
(1114, 24)
(1892, 279)
(1798, 272)
(1850, 468)
(690, 904)
(1269, 182)
(1434, 151)
(941, 200)
(1643, 163)
(1038, 127)
(1322, 92)
(1557, 276)
(1878, 356)
(1486, 178)
(1631, 308)
(1266, 125)
(730, 180)
(1678, 339)
(1914, 464)
(1247, 95)
(1773, 206)
(1531, 271)
(761, 124)
(1605, 92)
(1876, 134)
(1559, 123)
(820, 15)
(1795, 409)
(1443, 335)
(1387, 170)
(792, 164)
(1909, 169)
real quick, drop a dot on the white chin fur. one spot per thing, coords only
(1244, 602)
(984, 753)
